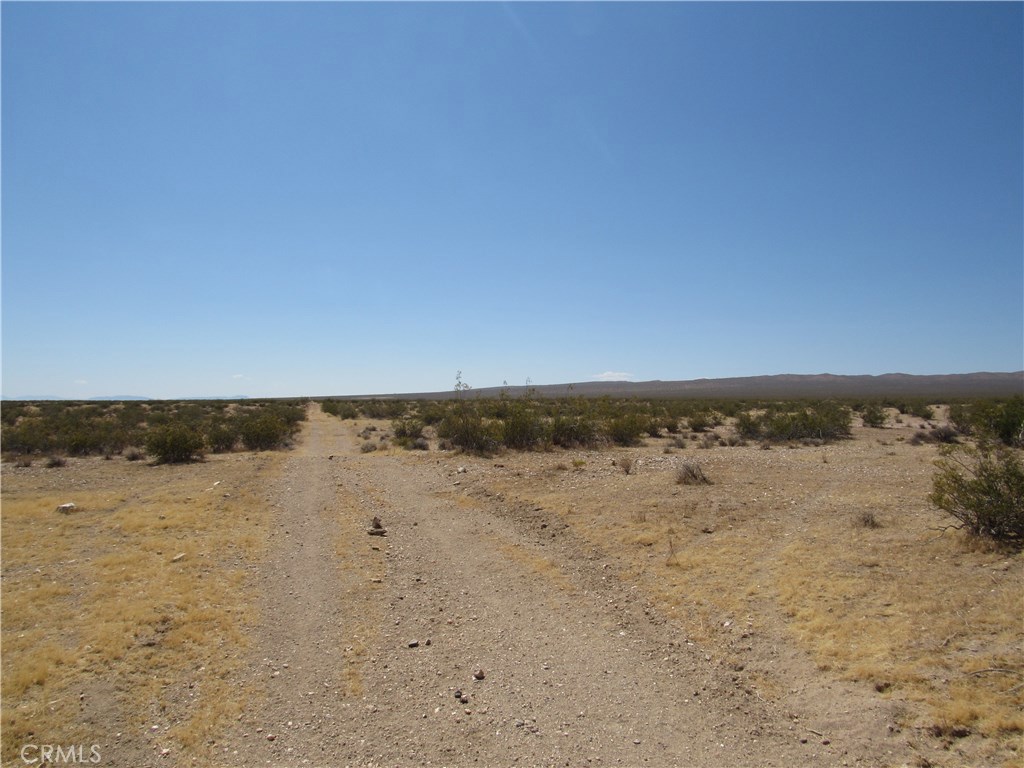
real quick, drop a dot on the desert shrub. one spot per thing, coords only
(464, 428)
(23, 461)
(340, 408)
(960, 417)
(873, 415)
(134, 454)
(748, 425)
(626, 429)
(823, 421)
(867, 519)
(420, 444)
(408, 433)
(1002, 421)
(573, 431)
(263, 432)
(917, 408)
(690, 473)
(699, 421)
(55, 462)
(708, 440)
(431, 414)
(626, 462)
(383, 409)
(945, 434)
(407, 429)
(29, 435)
(222, 437)
(368, 447)
(920, 438)
(521, 427)
(982, 488)
(174, 444)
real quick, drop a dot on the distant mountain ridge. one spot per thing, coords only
(777, 386)
(785, 385)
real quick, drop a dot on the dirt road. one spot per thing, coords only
(473, 633)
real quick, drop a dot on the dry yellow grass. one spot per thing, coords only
(137, 601)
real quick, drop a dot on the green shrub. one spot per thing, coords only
(464, 428)
(918, 408)
(521, 429)
(29, 435)
(626, 429)
(383, 409)
(407, 429)
(264, 432)
(573, 431)
(340, 408)
(1003, 421)
(873, 415)
(983, 488)
(699, 421)
(222, 437)
(174, 444)
(822, 421)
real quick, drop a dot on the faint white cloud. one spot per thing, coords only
(613, 376)
(238, 376)
(81, 382)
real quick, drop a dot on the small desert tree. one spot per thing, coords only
(983, 488)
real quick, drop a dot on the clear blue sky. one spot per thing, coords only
(312, 199)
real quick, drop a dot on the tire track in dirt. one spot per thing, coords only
(299, 655)
(364, 642)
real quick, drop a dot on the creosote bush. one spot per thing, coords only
(983, 489)
(174, 444)
(264, 432)
(873, 415)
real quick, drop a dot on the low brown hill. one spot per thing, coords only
(782, 386)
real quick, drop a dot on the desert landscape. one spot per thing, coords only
(734, 476)
(696, 599)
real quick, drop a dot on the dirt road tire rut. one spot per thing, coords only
(473, 633)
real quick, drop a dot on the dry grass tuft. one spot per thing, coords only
(690, 473)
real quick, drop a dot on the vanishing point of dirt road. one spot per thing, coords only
(473, 633)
